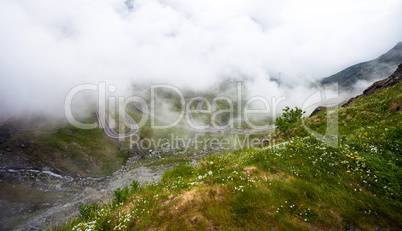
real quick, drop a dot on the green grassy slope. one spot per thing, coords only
(302, 184)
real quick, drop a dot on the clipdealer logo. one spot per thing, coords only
(107, 105)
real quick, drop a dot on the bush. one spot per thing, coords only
(135, 185)
(288, 120)
(87, 211)
(121, 195)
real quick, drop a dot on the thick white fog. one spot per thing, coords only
(47, 47)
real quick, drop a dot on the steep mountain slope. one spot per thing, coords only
(395, 78)
(379, 68)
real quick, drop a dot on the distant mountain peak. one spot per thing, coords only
(392, 55)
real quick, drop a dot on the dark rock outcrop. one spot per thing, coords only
(317, 110)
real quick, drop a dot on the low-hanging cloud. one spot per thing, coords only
(48, 47)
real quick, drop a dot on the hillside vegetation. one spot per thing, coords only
(302, 184)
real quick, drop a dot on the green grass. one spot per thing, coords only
(302, 184)
(168, 161)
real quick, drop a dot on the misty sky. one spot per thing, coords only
(48, 46)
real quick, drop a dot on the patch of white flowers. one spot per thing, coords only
(85, 226)
(209, 173)
(122, 218)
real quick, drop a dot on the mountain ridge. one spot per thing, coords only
(395, 78)
(378, 68)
